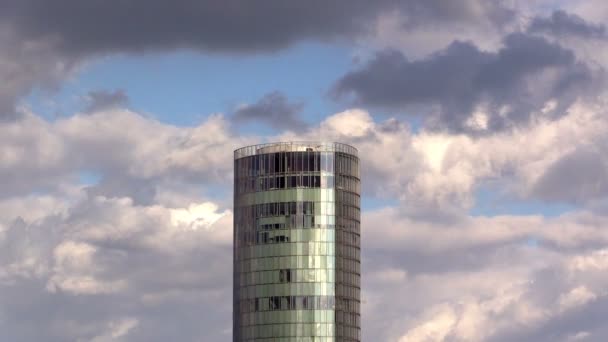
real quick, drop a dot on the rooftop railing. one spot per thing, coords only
(294, 146)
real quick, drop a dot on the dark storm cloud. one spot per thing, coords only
(561, 23)
(238, 25)
(521, 77)
(105, 99)
(25, 65)
(42, 41)
(273, 109)
(417, 13)
(232, 25)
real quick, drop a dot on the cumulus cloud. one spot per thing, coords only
(28, 64)
(481, 280)
(578, 176)
(468, 90)
(104, 99)
(562, 23)
(117, 330)
(51, 153)
(96, 249)
(434, 173)
(273, 109)
(132, 255)
(100, 260)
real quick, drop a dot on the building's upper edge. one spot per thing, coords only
(294, 146)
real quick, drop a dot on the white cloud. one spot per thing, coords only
(596, 261)
(75, 270)
(480, 280)
(117, 330)
(436, 171)
(129, 254)
(109, 247)
(51, 153)
(354, 123)
(105, 258)
(196, 216)
(576, 297)
(393, 31)
(436, 328)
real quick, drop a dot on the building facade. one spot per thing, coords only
(297, 243)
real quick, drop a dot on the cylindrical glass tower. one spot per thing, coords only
(297, 242)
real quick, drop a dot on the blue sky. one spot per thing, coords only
(183, 88)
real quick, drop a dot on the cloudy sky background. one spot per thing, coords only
(481, 125)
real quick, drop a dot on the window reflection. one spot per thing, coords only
(297, 245)
(275, 303)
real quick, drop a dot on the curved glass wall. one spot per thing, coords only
(296, 243)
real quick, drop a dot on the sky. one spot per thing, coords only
(481, 126)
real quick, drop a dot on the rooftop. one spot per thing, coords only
(294, 146)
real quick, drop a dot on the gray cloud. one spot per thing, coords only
(490, 278)
(580, 176)
(418, 13)
(509, 85)
(42, 42)
(583, 324)
(26, 65)
(234, 25)
(102, 277)
(141, 191)
(105, 99)
(562, 23)
(49, 155)
(123, 257)
(98, 26)
(274, 109)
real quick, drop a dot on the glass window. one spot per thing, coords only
(277, 162)
(298, 162)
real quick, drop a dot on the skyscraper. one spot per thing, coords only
(297, 242)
